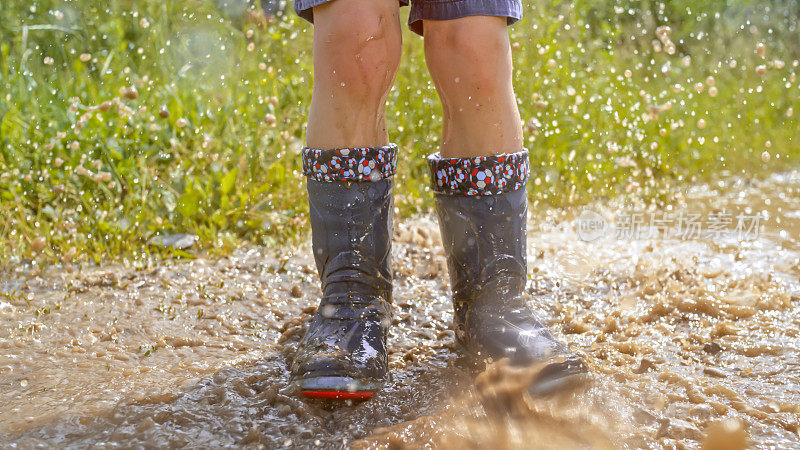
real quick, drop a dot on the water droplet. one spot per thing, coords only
(761, 49)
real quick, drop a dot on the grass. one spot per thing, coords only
(123, 119)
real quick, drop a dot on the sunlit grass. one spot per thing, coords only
(123, 119)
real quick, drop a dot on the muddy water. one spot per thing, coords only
(692, 338)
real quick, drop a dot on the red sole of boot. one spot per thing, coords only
(337, 395)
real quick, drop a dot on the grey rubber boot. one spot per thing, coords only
(482, 209)
(343, 353)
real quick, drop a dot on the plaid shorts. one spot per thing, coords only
(436, 10)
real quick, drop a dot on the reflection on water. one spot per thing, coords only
(690, 338)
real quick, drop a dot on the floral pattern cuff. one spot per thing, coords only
(480, 175)
(350, 164)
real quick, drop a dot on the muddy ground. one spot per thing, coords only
(692, 340)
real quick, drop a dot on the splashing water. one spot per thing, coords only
(690, 339)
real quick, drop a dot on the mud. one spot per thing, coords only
(692, 341)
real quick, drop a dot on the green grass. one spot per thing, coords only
(208, 142)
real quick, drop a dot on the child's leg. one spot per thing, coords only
(350, 165)
(470, 62)
(479, 183)
(356, 55)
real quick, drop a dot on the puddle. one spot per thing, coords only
(691, 338)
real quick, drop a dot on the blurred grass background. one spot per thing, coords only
(123, 119)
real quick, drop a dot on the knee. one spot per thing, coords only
(478, 57)
(363, 47)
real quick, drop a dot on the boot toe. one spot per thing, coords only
(333, 378)
(322, 367)
(337, 387)
(340, 360)
(560, 375)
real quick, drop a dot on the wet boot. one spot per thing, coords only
(482, 205)
(343, 353)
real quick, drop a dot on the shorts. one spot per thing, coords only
(435, 10)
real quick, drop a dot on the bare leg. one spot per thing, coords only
(470, 62)
(356, 55)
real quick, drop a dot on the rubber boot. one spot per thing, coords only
(343, 353)
(482, 207)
